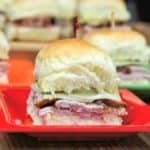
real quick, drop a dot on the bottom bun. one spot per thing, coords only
(27, 46)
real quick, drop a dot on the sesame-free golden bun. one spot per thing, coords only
(21, 9)
(95, 12)
(123, 45)
(67, 9)
(75, 70)
(25, 33)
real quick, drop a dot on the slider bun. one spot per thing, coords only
(4, 5)
(116, 38)
(97, 12)
(66, 8)
(121, 44)
(73, 65)
(64, 53)
(21, 9)
(4, 47)
(25, 33)
(26, 45)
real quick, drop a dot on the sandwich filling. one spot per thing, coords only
(47, 110)
(133, 73)
(86, 28)
(65, 112)
(35, 22)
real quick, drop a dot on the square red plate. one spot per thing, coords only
(14, 118)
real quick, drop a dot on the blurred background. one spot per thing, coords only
(140, 9)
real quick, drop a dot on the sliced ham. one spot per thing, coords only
(81, 108)
(41, 99)
(81, 113)
(65, 112)
(69, 119)
(135, 73)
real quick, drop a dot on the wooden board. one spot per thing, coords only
(22, 142)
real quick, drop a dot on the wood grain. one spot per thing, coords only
(24, 142)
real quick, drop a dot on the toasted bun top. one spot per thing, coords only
(118, 35)
(61, 53)
(32, 8)
(121, 44)
(110, 39)
(42, 8)
(67, 9)
(67, 49)
(97, 12)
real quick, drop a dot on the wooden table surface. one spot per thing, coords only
(24, 142)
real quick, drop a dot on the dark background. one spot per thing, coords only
(140, 9)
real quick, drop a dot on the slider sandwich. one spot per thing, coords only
(98, 13)
(35, 22)
(75, 84)
(128, 49)
(3, 57)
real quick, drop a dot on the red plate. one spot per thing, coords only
(14, 118)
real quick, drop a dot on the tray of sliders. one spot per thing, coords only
(74, 96)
